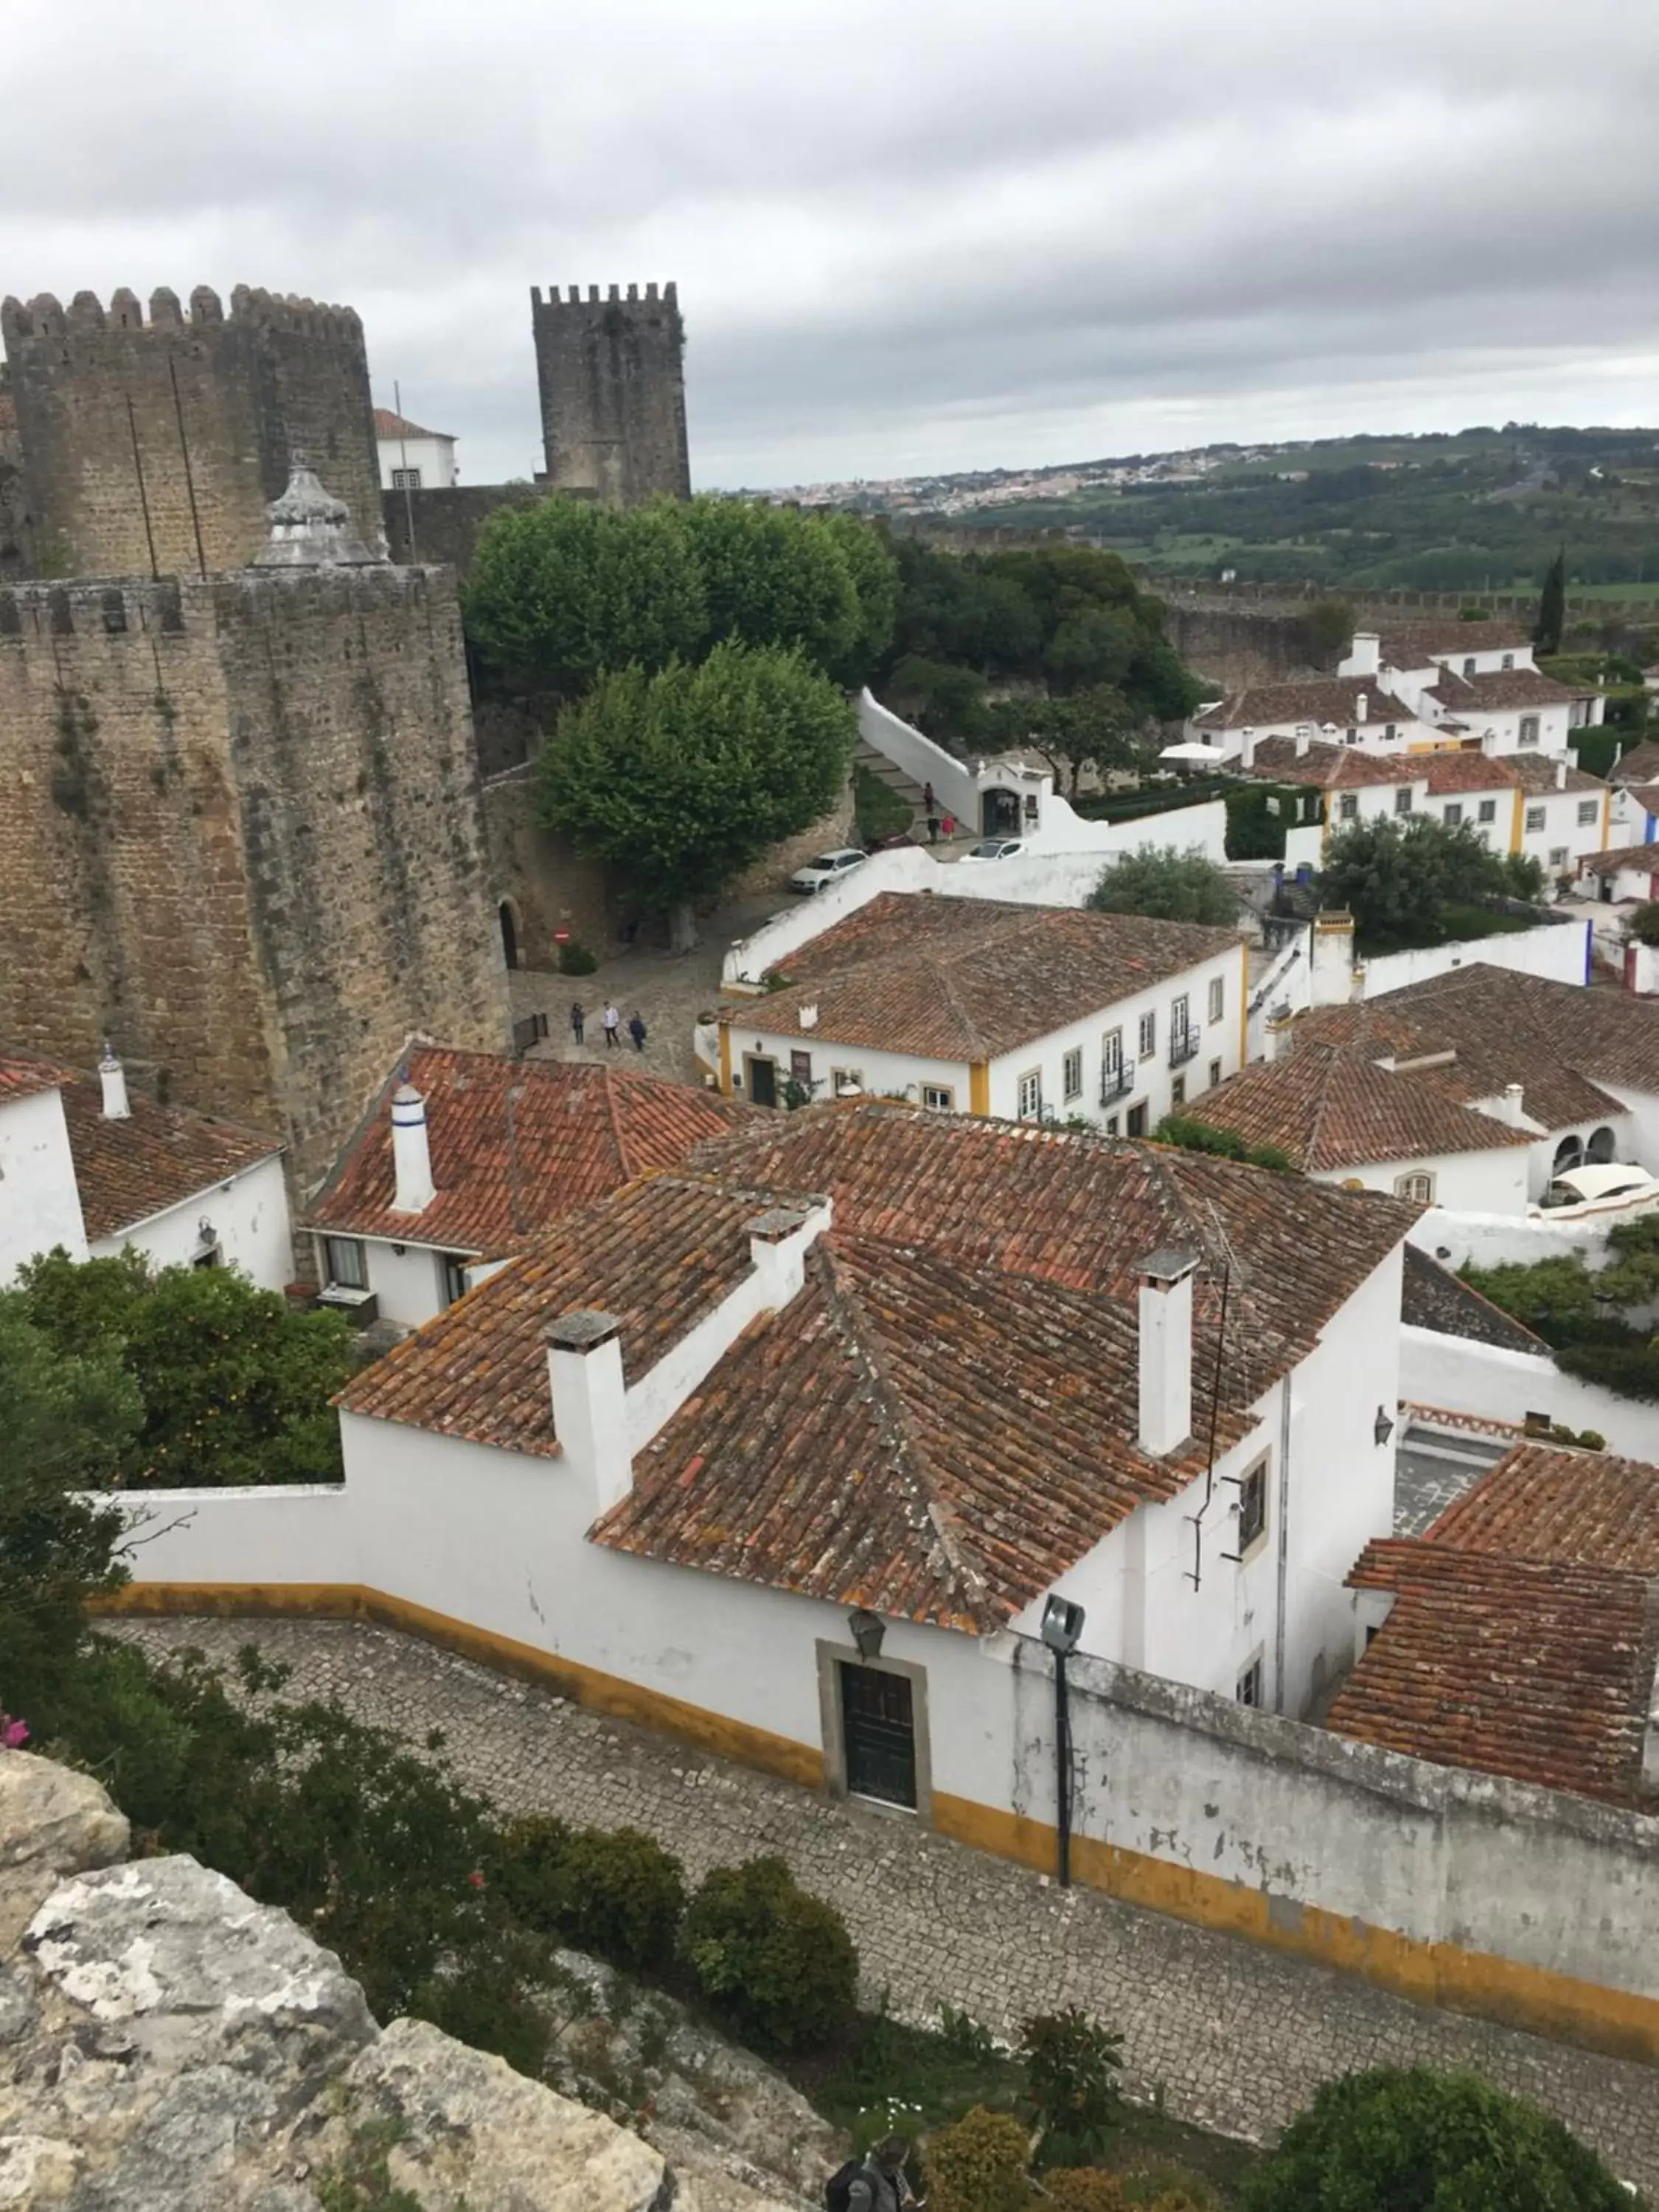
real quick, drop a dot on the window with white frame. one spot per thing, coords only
(1148, 1034)
(405, 480)
(845, 1081)
(1509, 661)
(1418, 1186)
(1112, 1083)
(1536, 818)
(1558, 856)
(1487, 810)
(1454, 814)
(1347, 805)
(344, 1263)
(1030, 1095)
(938, 1098)
(1218, 997)
(1071, 1073)
(1588, 810)
(1402, 800)
(1529, 729)
(1248, 1692)
(1253, 1506)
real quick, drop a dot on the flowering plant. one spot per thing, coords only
(13, 1733)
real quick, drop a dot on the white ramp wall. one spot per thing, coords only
(1559, 950)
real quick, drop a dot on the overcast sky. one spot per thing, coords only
(908, 234)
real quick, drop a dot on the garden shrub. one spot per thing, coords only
(777, 1961)
(575, 959)
(619, 1893)
(1419, 2141)
(1071, 2065)
(978, 2165)
(526, 1865)
(1083, 2189)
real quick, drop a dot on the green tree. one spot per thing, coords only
(66, 1420)
(1396, 878)
(561, 591)
(874, 573)
(679, 780)
(1167, 883)
(1645, 923)
(1551, 606)
(1093, 728)
(1327, 631)
(773, 576)
(235, 1388)
(1420, 2142)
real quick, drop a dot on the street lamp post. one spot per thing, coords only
(1062, 1626)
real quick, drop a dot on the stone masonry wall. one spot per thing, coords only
(547, 886)
(138, 433)
(447, 521)
(612, 382)
(243, 838)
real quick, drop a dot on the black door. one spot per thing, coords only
(510, 935)
(764, 1082)
(880, 1731)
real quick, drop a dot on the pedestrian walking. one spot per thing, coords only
(612, 1023)
(949, 825)
(929, 804)
(933, 827)
(879, 2184)
(578, 1019)
(636, 1029)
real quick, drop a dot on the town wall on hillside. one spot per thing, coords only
(150, 445)
(243, 839)
(613, 381)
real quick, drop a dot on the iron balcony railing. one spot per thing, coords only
(1116, 1083)
(1184, 1047)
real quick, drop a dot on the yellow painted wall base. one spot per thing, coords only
(1529, 1997)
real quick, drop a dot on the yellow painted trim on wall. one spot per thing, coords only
(979, 1086)
(1518, 817)
(1477, 1982)
(1243, 1005)
(606, 1694)
(725, 1059)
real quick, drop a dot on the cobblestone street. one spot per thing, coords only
(1236, 2038)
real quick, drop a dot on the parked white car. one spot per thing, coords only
(992, 848)
(826, 868)
(1581, 1192)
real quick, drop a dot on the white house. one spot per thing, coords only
(1474, 682)
(466, 1155)
(1623, 872)
(413, 458)
(1028, 1013)
(1354, 711)
(86, 1164)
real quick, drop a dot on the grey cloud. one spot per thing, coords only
(898, 227)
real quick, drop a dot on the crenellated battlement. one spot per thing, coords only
(614, 297)
(104, 609)
(24, 323)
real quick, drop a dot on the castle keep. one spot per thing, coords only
(150, 447)
(613, 381)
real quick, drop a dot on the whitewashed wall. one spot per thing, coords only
(1497, 1240)
(1462, 1377)
(1488, 1183)
(407, 1283)
(250, 1220)
(40, 1206)
(1560, 951)
(886, 1074)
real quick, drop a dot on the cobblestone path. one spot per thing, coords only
(1236, 2038)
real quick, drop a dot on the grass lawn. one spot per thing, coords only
(913, 2080)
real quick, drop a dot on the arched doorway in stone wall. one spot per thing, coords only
(509, 934)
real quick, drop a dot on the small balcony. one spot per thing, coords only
(1116, 1083)
(1184, 1047)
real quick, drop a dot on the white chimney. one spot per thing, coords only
(807, 1016)
(1361, 705)
(1364, 654)
(1304, 740)
(412, 1155)
(777, 1252)
(590, 1402)
(1166, 1350)
(113, 1077)
(1512, 1096)
(1561, 774)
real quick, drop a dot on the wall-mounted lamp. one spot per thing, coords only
(868, 1629)
(1383, 1427)
(399, 1250)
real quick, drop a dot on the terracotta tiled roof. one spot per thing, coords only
(1345, 768)
(1558, 1041)
(1640, 764)
(21, 1077)
(1432, 1297)
(1580, 1508)
(659, 1256)
(1521, 1667)
(515, 1144)
(944, 1418)
(1333, 699)
(1540, 773)
(159, 1156)
(1500, 691)
(966, 980)
(388, 425)
(1330, 1108)
(1418, 645)
(1618, 858)
(1646, 796)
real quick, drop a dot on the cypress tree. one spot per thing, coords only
(1551, 606)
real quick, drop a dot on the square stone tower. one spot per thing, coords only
(151, 446)
(612, 378)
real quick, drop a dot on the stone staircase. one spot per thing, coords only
(902, 785)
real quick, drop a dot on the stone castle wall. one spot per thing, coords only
(150, 446)
(243, 837)
(448, 519)
(612, 377)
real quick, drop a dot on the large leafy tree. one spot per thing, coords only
(232, 1387)
(1419, 2141)
(1396, 877)
(874, 575)
(564, 590)
(772, 576)
(1167, 883)
(679, 780)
